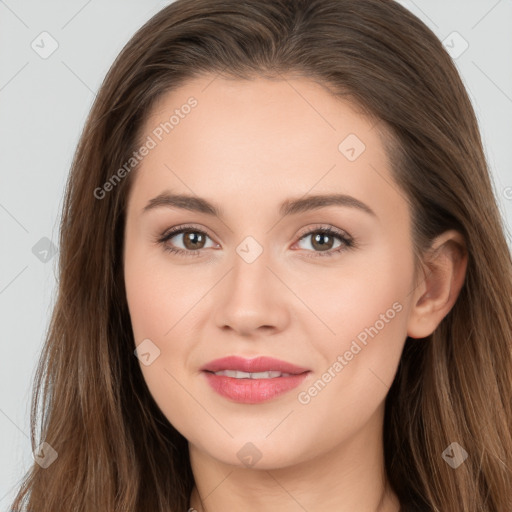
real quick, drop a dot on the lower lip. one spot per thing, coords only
(253, 391)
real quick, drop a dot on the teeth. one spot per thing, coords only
(244, 375)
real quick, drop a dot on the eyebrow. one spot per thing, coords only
(288, 207)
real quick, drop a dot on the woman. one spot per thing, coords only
(283, 210)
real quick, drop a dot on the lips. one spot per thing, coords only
(251, 381)
(256, 365)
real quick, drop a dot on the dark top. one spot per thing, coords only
(413, 508)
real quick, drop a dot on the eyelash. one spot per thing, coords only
(346, 241)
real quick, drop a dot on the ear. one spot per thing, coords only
(445, 267)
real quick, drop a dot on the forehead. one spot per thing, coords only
(293, 109)
(243, 136)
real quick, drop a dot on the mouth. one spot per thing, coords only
(255, 365)
(235, 374)
(252, 381)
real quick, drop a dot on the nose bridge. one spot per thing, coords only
(250, 263)
(250, 297)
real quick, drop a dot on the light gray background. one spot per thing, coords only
(43, 106)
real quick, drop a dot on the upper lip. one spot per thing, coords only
(255, 365)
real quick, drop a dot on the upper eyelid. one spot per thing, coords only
(178, 230)
(324, 227)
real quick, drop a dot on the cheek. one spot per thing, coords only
(367, 289)
(158, 306)
(145, 304)
(365, 306)
(158, 294)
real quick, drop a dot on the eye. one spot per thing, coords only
(324, 239)
(192, 239)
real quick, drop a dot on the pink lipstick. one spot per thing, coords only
(251, 381)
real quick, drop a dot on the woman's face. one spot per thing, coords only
(267, 165)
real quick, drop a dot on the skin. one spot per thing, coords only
(247, 147)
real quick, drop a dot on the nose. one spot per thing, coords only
(252, 299)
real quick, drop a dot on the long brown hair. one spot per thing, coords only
(116, 450)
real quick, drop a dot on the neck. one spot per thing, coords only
(350, 476)
(388, 502)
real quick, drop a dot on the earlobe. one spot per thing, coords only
(444, 275)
